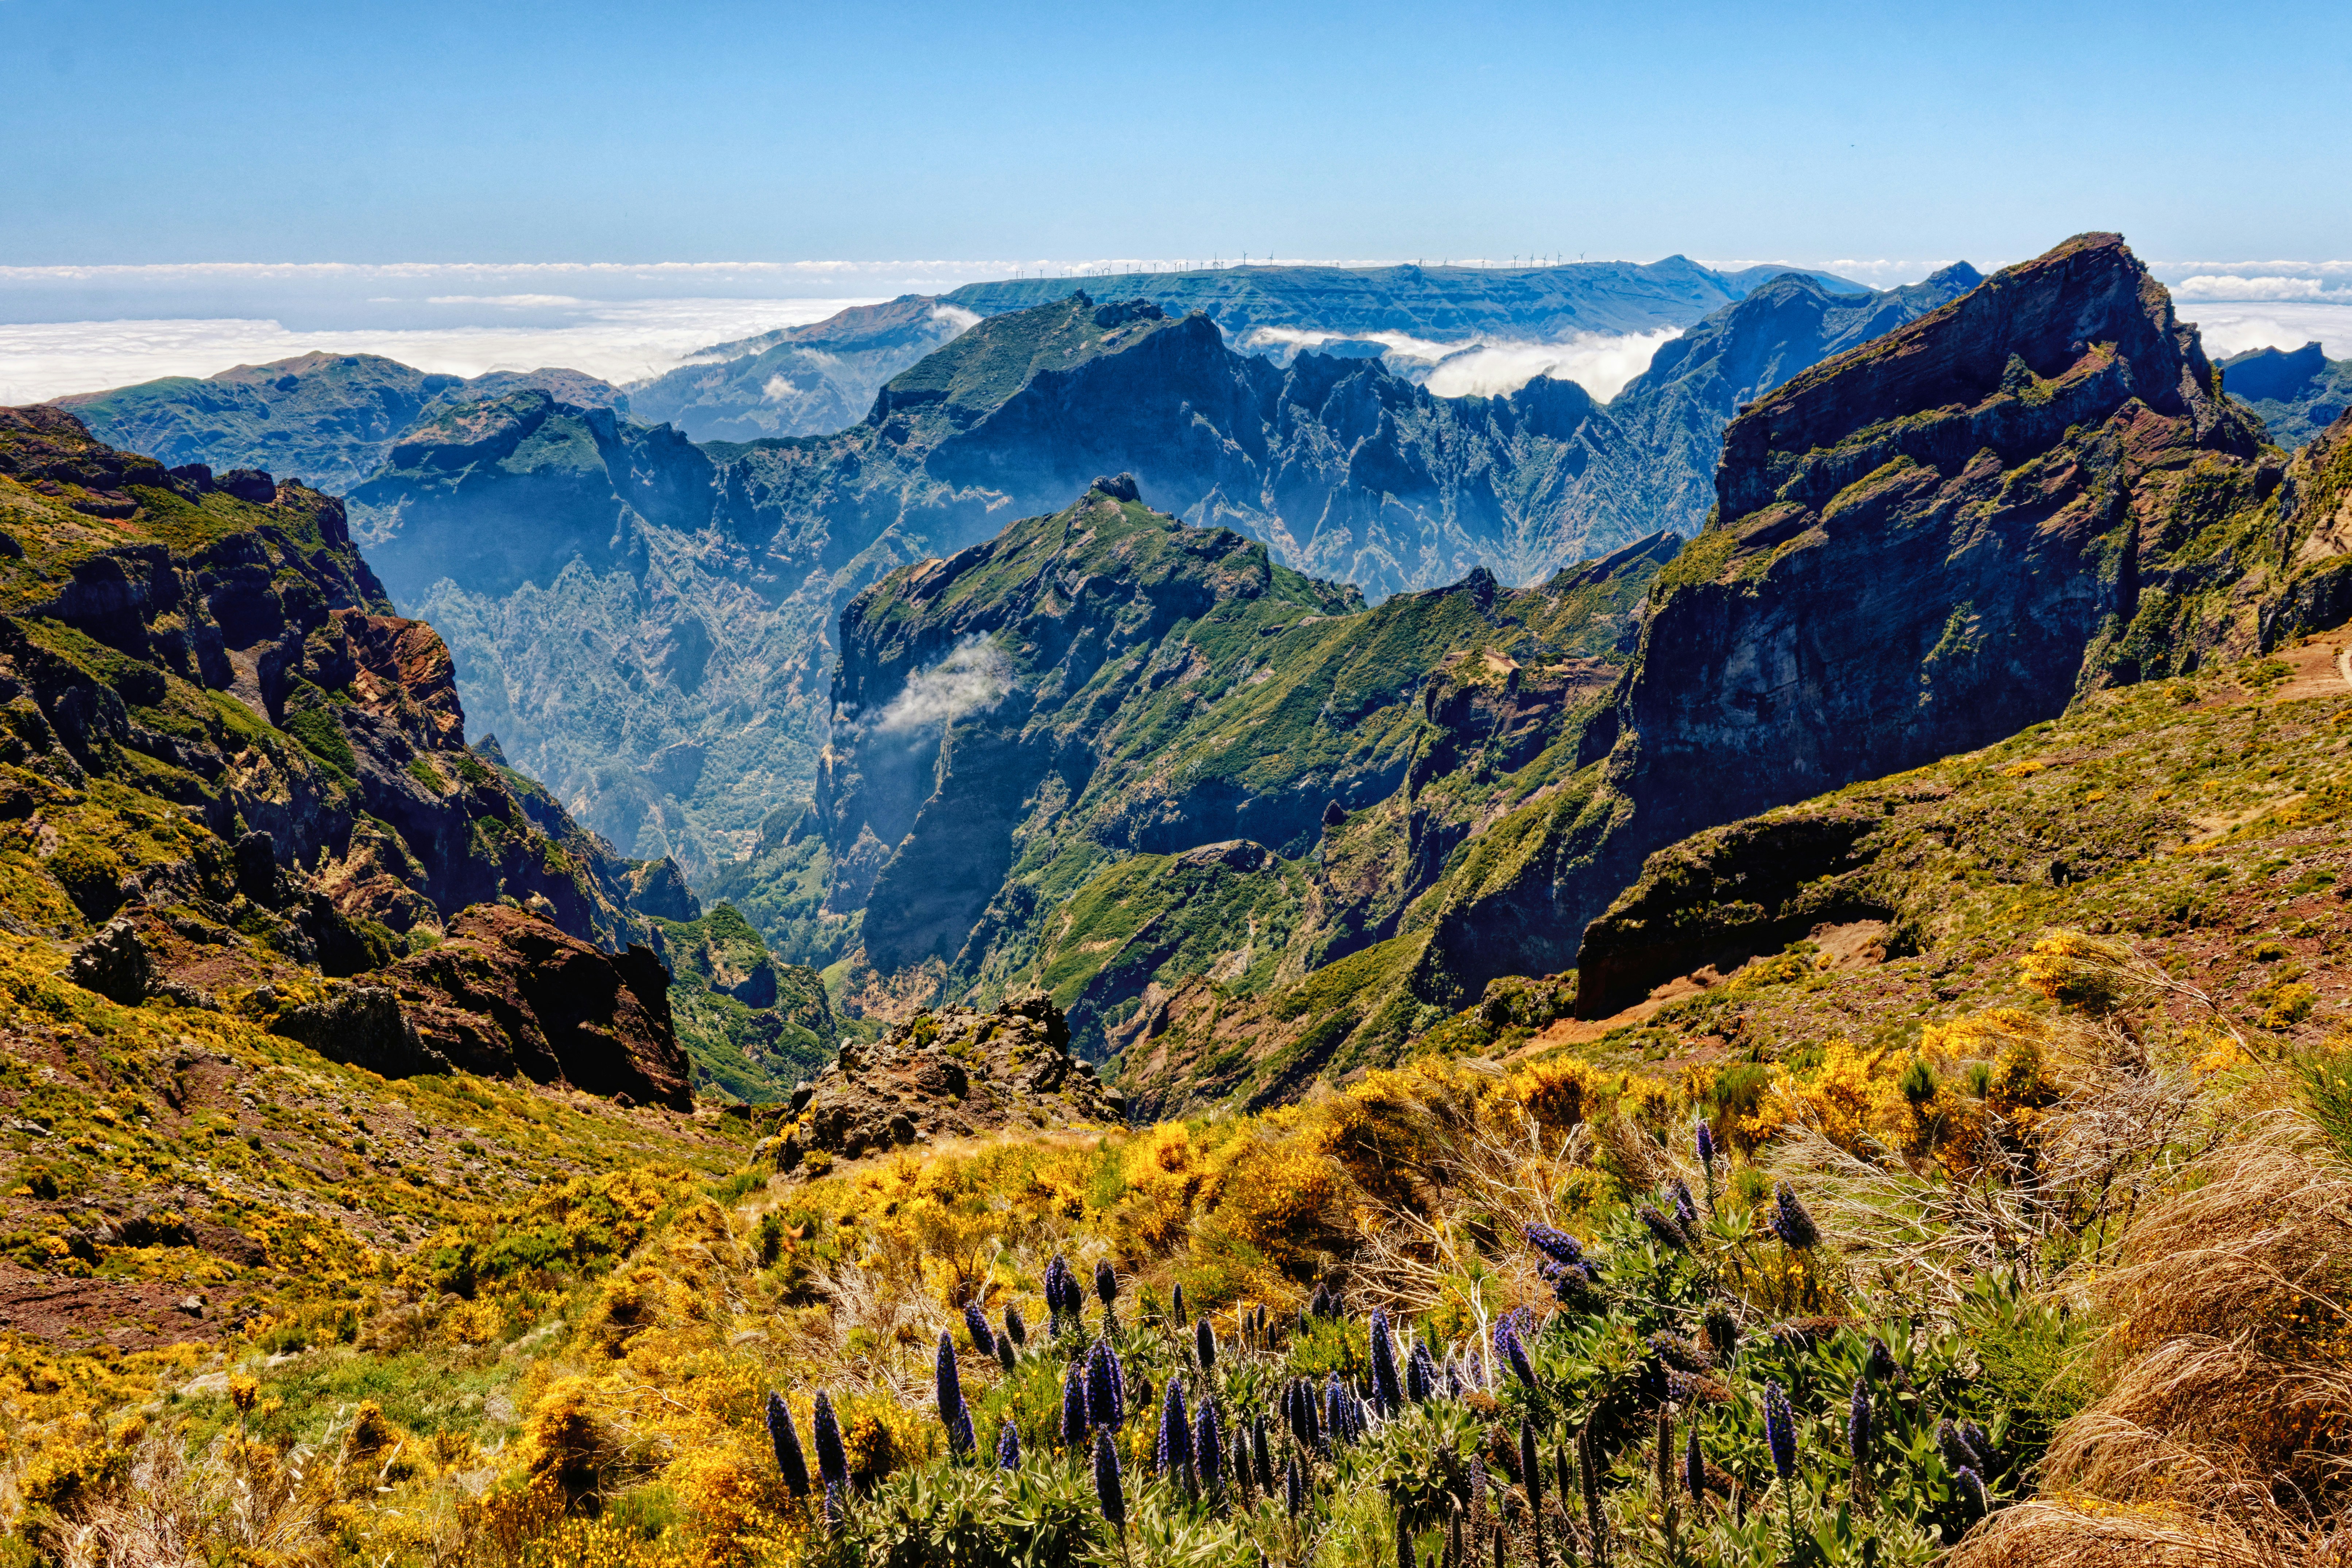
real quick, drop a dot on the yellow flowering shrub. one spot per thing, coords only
(1853, 1097)
(736, 1502)
(1164, 1175)
(1275, 1192)
(1559, 1093)
(880, 1435)
(567, 1441)
(1980, 1035)
(2077, 970)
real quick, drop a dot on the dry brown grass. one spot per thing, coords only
(230, 1504)
(2044, 1533)
(2134, 1122)
(2224, 1435)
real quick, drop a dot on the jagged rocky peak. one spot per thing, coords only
(1921, 543)
(955, 1072)
(2072, 333)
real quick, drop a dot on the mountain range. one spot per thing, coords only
(1252, 833)
(642, 623)
(813, 380)
(2297, 393)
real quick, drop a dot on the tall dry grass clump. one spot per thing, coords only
(2224, 1433)
(232, 1503)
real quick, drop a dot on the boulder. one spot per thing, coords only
(114, 963)
(951, 1074)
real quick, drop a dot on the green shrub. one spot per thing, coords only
(323, 738)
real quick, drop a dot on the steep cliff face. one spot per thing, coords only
(1924, 544)
(500, 492)
(220, 741)
(1675, 412)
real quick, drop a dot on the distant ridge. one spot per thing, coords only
(1442, 301)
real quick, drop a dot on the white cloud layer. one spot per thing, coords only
(973, 676)
(620, 342)
(2233, 328)
(1601, 362)
(2227, 286)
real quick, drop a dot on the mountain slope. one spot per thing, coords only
(331, 419)
(797, 381)
(2298, 395)
(224, 752)
(1100, 751)
(1926, 542)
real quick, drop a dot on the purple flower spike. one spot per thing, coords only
(954, 1414)
(1106, 1386)
(1107, 1490)
(789, 1461)
(1073, 1407)
(976, 1325)
(1790, 1223)
(1779, 1431)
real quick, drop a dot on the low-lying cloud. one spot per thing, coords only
(1601, 362)
(974, 675)
(620, 342)
(2224, 286)
(2229, 330)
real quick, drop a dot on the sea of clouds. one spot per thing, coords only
(81, 329)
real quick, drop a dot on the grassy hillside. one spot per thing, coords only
(1998, 1104)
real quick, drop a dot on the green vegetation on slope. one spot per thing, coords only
(753, 1027)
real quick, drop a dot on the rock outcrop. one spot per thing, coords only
(949, 1074)
(511, 993)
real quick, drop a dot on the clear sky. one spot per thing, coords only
(511, 131)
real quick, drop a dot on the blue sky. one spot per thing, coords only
(471, 131)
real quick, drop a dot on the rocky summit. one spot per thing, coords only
(947, 1074)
